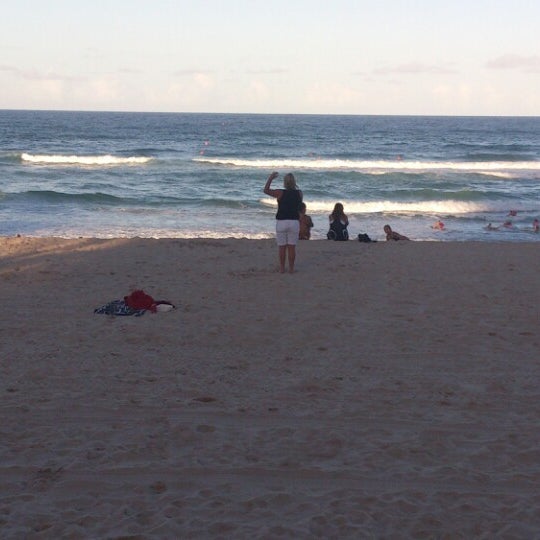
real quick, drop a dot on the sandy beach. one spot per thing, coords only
(385, 390)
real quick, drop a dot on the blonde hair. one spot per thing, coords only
(289, 182)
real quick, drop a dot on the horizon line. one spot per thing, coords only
(111, 111)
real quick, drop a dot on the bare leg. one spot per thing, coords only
(291, 251)
(282, 255)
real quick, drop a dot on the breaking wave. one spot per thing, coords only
(106, 160)
(376, 165)
(438, 207)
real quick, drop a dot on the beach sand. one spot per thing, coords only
(385, 390)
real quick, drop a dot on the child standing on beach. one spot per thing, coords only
(306, 223)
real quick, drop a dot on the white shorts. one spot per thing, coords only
(287, 232)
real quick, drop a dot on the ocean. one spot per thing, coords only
(104, 174)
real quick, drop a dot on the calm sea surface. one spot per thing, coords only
(89, 174)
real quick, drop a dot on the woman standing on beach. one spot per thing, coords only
(288, 214)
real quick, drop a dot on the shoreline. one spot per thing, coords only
(384, 389)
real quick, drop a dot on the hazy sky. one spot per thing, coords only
(461, 57)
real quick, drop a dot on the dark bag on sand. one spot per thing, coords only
(363, 237)
(337, 231)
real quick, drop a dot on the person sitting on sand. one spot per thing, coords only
(393, 235)
(338, 224)
(306, 223)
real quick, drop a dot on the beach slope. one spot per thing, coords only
(385, 390)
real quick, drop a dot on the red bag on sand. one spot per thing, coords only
(140, 300)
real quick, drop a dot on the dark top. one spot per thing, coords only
(289, 204)
(338, 231)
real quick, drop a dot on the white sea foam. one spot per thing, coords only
(498, 174)
(448, 207)
(84, 160)
(376, 165)
(155, 232)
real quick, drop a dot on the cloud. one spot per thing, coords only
(529, 64)
(192, 90)
(39, 76)
(415, 68)
(103, 90)
(8, 68)
(129, 71)
(335, 97)
(258, 92)
(274, 71)
(191, 72)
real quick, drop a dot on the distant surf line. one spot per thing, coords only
(107, 159)
(484, 167)
(440, 207)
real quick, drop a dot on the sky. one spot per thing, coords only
(395, 57)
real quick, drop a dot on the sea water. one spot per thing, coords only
(103, 174)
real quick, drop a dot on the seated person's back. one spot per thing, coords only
(338, 224)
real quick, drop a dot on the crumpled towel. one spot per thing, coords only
(119, 308)
(140, 300)
(136, 303)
